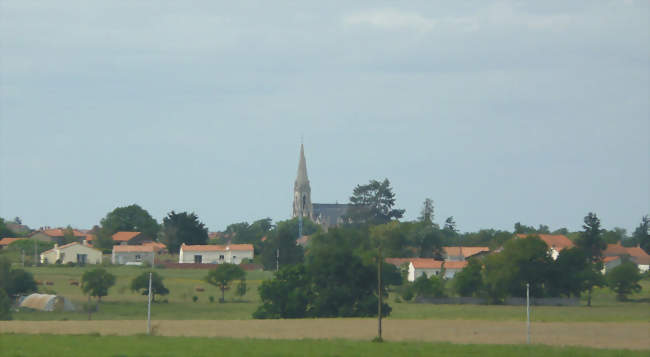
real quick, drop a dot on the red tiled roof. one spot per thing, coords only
(615, 249)
(7, 241)
(156, 245)
(609, 259)
(203, 248)
(557, 241)
(58, 232)
(124, 236)
(637, 252)
(426, 263)
(215, 247)
(65, 246)
(133, 248)
(240, 247)
(464, 251)
(455, 265)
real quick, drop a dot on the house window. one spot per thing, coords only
(82, 258)
(234, 259)
(138, 257)
(198, 259)
(221, 257)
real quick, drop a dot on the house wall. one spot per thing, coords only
(214, 256)
(416, 273)
(131, 257)
(449, 273)
(69, 254)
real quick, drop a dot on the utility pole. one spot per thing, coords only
(527, 313)
(149, 308)
(35, 256)
(379, 294)
(22, 251)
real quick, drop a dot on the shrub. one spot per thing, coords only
(624, 280)
(211, 298)
(195, 298)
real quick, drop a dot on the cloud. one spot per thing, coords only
(390, 19)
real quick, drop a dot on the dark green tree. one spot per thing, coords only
(624, 280)
(573, 273)
(614, 236)
(590, 239)
(5, 306)
(283, 238)
(131, 218)
(15, 282)
(5, 232)
(141, 284)
(373, 204)
(429, 287)
(285, 296)
(223, 275)
(97, 282)
(469, 281)
(427, 213)
(641, 235)
(179, 228)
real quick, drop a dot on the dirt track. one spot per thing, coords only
(593, 334)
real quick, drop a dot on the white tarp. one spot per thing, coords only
(46, 302)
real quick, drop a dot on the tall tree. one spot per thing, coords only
(373, 203)
(141, 283)
(282, 240)
(96, 282)
(426, 214)
(179, 228)
(223, 275)
(5, 231)
(590, 239)
(641, 235)
(132, 219)
(450, 226)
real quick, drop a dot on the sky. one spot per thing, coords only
(501, 112)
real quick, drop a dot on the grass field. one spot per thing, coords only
(74, 345)
(122, 304)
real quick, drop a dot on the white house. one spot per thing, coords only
(123, 254)
(215, 254)
(610, 263)
(430, 267)
(72, 253)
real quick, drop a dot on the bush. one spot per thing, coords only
(624, 280)
(195, 298)
(211, 298)
(5, 306)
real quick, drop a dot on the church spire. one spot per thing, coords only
(301, 190)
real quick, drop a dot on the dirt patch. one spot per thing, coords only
(630, 335)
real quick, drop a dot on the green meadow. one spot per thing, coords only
(123, 304)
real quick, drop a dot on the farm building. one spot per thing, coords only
(215, 254)
(46, 302)
(137, 254)
(430, 267)
(130, 238)
(635, 254)
(462, 253)
(56, 235)
(4, 242)
(555, 242)
(72, 253)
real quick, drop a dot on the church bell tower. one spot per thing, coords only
(301, 190)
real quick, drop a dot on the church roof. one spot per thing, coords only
(301, 178)
(330, 213)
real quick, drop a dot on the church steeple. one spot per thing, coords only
(301, 189)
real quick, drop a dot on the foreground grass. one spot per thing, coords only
(12, 345)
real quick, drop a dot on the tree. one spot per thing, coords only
(616, 235)
(469, 281)
(641, 235)
(426, 215)
(179, 228)
(283, 238)
(17, 220)
(223, 275)
(131, 218)
(573, 273)
(68, 235)
(624, 280)
(141, 284)
(449, 229)
(285, 296)
(5, 306)
(96, 283)
(590, 239)
(427, 239)
(373, 204)
(241, 288)
(433, 286)
(5, 232)
(15, 281)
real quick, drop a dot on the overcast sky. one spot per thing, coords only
(499, 111)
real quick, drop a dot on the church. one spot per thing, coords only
(325, 214)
